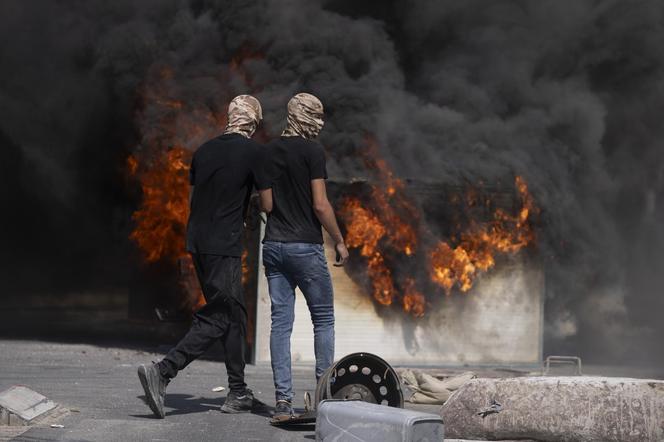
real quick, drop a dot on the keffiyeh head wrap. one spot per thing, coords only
(244, 114)
(305, 117)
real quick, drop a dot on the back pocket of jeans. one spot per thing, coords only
(301, 250)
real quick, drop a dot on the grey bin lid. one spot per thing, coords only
(363, 421)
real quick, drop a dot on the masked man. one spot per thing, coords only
(223, 171)
(293, 253)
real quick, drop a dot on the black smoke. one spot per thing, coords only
(567, 94)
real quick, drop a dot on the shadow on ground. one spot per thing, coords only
(182, 404)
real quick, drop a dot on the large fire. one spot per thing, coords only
(460, 265)
(162, 216)
(172, 126)
(389, 226)
(160, 221)
(385, 230)
(161, 166)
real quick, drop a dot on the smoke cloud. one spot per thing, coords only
(567, 94)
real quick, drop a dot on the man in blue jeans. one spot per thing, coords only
(293, 253)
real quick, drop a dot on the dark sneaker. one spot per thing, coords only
(236, 403)
(154, 385)
(282, 411)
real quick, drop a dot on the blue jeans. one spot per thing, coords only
(303, 265)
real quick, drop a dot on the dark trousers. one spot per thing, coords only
(224, 318)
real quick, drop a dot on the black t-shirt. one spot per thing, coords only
(222, 172)
(291, 164)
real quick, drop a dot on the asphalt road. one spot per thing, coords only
(101, 387)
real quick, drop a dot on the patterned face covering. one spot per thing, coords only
(305, 117)
(244, 114)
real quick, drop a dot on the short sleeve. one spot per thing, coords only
(260, 168)
(317, 168)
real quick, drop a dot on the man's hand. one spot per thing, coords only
(325, 214)
(342, 254)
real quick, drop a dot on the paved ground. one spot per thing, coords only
(101, 388)
(98, 384)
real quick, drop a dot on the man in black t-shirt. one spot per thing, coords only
(293, 255)
(223, 172)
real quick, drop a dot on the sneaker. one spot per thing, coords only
(283, 410)
(236, 403)
(154, 385)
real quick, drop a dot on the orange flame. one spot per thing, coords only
(385, 231)
(365, 230)
(391, 203)
(161, 166)
(160, 221)
(172, 127)
(413, 300)
(384, 222)
(475, 253)
(162, 217)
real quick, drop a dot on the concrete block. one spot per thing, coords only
(20, 405)
(583, 409)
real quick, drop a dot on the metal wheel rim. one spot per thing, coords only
(381, 380)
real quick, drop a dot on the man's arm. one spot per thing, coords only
(261, 168)
(325, 215)
(266, 200)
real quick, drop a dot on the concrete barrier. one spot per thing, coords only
(580, 409)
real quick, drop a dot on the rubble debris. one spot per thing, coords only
(57, 426)
(363, 421)
(218, 389)
(430, 390)
(20, 405)
(583, 409)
